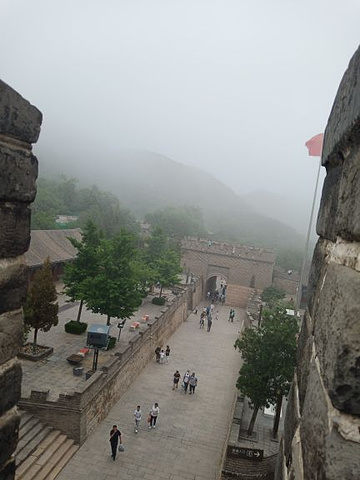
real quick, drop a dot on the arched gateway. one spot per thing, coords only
(240, 268)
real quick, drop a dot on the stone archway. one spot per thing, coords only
(215, 282)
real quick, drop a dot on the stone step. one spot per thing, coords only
(42, 459)
(63, 461)
(30, 461)
(31, 446)
(27, 426)
(25, 417)
(53, 461)
(33, 428)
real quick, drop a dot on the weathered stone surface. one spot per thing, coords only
(341, 458)
(304, 354)
(326, 225)
(317, 271)
(314, 426)
(8, 471)
(10, 385)
(18, 117)
(337, 337)
(13, 285)
(15, 229)
(345, 113)
(19, 170)
(9, 427)
(292, 419)
(11, 334)
(348, 216)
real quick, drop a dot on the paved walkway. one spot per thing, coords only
(192, 429)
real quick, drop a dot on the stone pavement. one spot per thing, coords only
(192, 430)
(55, 373)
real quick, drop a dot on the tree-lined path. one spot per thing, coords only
(192, 429)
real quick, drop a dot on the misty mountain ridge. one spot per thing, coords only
(147, 181)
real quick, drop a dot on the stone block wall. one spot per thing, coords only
(19, 127)
(322, 425)
(237, 270)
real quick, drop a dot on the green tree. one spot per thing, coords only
(40, 309)
(269, 354)
(272, 295)
(84, 265)
(179, 221)
(114, 289)
(162, 259)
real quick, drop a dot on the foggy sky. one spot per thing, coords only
(235, 87)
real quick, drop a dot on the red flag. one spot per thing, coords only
(315, 145)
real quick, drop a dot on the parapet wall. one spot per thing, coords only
(19, 127)
(76, 415)
(322, 425)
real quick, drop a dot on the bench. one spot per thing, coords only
(134, 326)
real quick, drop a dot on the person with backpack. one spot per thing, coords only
(176, 379)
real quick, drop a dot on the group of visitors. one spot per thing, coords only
(161, 355)
(187, 381)
(218, 296)
(207, 315)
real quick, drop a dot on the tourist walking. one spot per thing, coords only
(186, 380)
(202, 319)
(193, 383)
(209, 322)
(115, 436)
(162, 356)
(157, 354)
(167, 353)
(154, 412)
(176, 379)
(231, 315)
(137, 416)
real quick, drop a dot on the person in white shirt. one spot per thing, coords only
(137, 416)
(154, 412)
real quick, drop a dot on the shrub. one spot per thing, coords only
(158, 300)
(75, 327)
(112, 342)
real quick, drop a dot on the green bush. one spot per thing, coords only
(112, 342)
(158, 300)
(75, 327)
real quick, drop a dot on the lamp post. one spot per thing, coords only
(120, 326)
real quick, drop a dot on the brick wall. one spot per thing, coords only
(322, 425)
(19, 127)
(239, 270)
(77, 414)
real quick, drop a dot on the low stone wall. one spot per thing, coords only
(77, 414)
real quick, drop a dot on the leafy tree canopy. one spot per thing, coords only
(272, 295)
(114, 288)
(64, 197)
(40, 309)
(179, 221)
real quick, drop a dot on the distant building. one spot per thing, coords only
(54, 244)
(64, 220)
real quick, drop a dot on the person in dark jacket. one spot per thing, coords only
(115, 436)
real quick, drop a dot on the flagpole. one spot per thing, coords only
(304, 262)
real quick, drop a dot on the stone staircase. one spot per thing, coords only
(42, 452)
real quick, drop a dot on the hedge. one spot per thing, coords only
(75, 327)
(158, 300)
